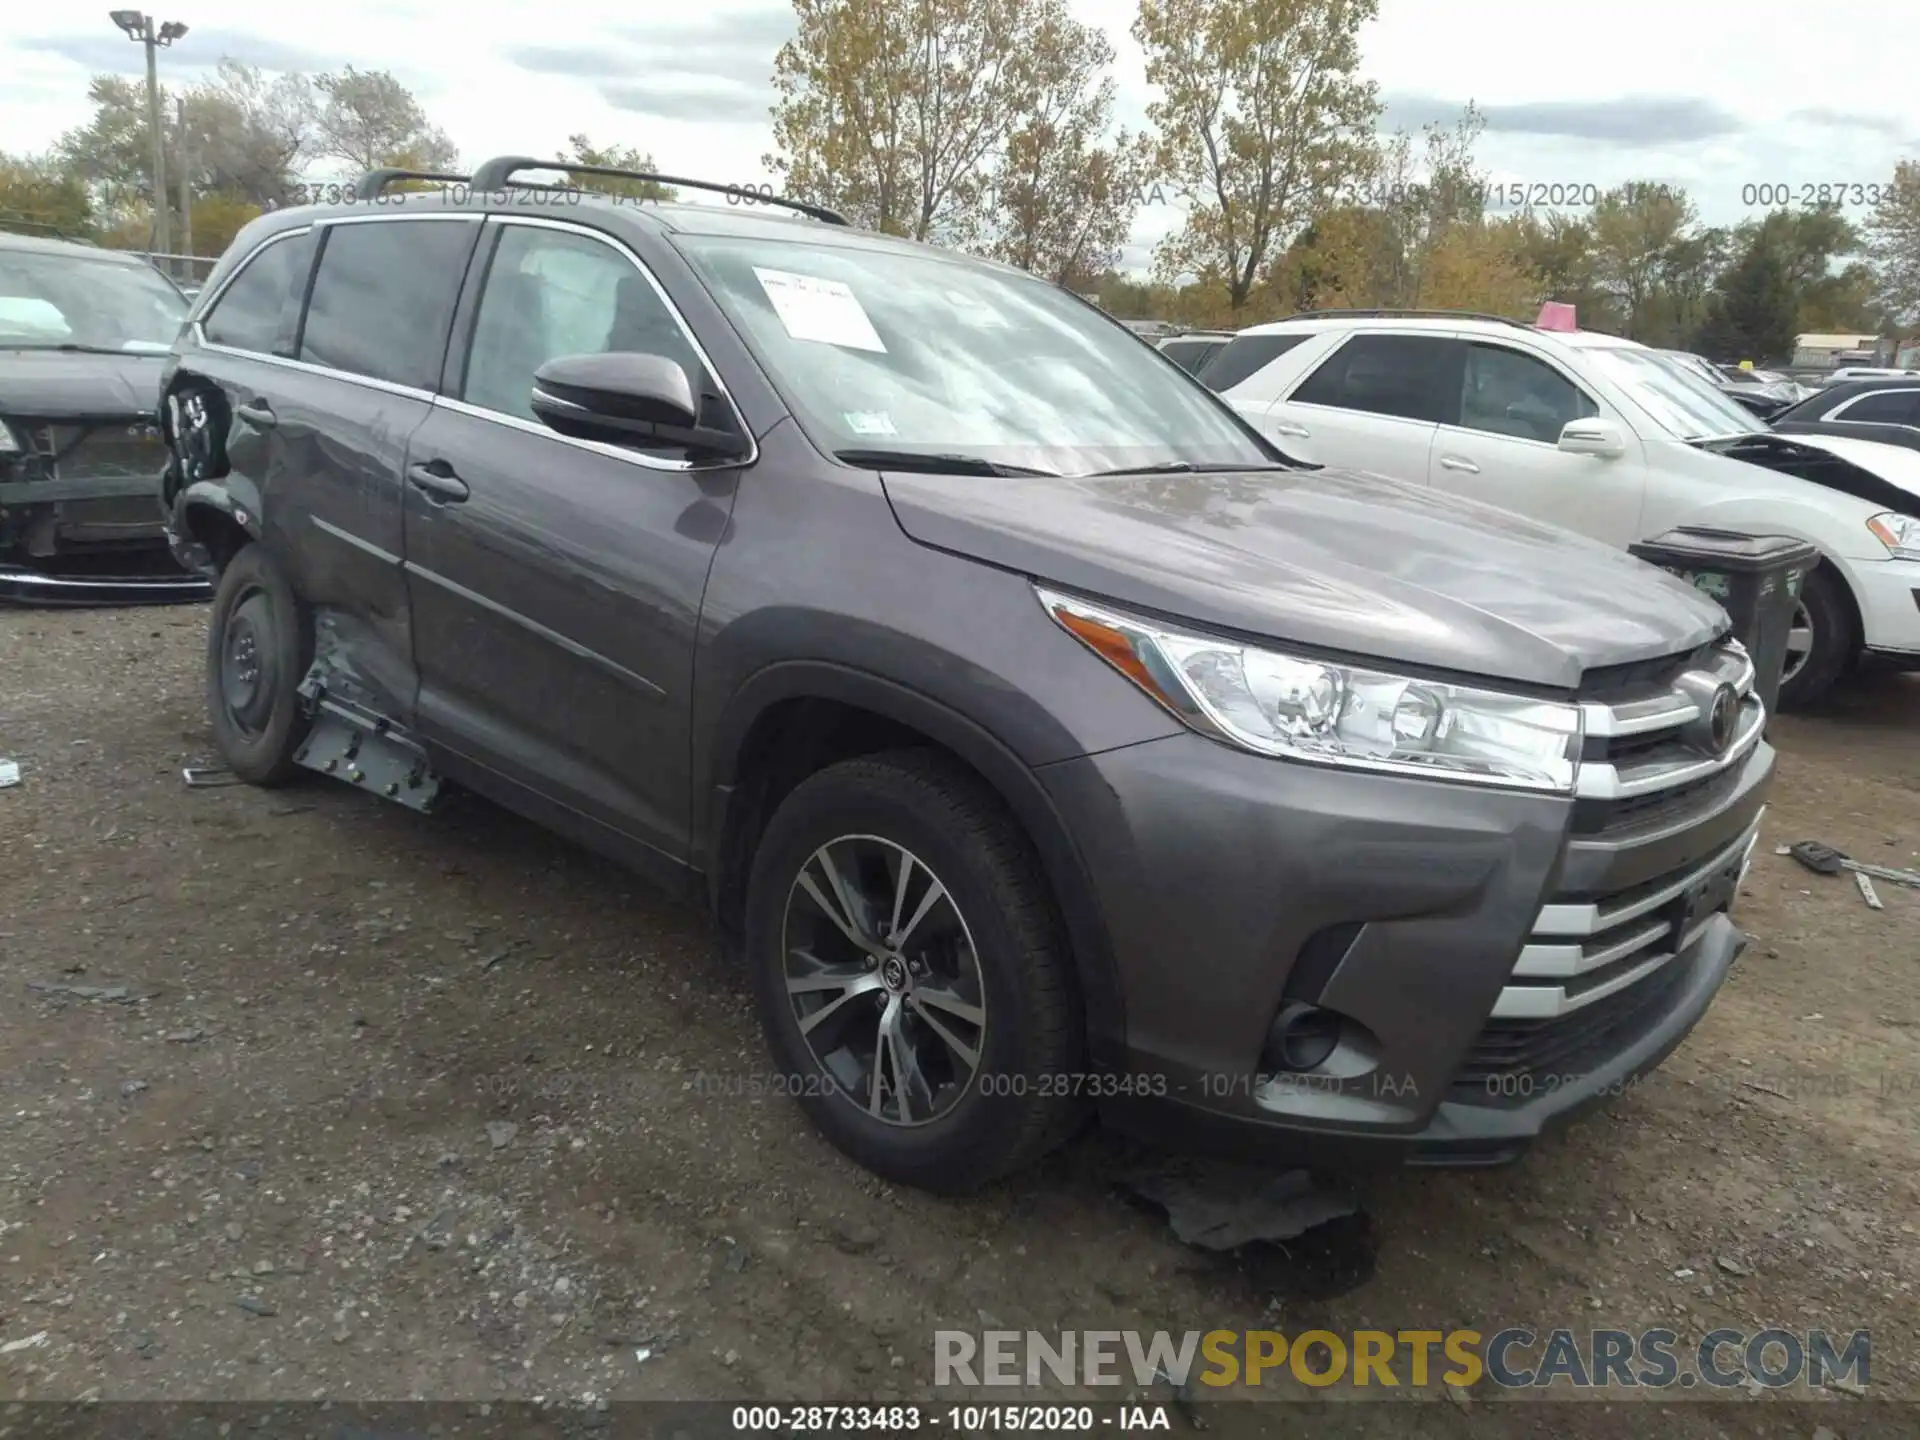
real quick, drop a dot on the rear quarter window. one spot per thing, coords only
(249, 313)
(1243, 357)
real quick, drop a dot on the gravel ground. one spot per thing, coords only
(306, 1095)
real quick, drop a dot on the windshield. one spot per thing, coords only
(1672, 396)
(881, 350)
(1695, 366)
(52, 299)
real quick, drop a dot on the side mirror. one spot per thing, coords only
(1593, 436)
(625, 397)
(621, 388)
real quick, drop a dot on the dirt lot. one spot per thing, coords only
(398, 1106)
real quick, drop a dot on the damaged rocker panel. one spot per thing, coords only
(351, 743)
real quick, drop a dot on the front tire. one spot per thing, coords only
(1821, 644)
(259, 644)
(911, 975)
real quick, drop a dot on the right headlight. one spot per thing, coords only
(1300, 708)
(8, 444)
(1899, 533)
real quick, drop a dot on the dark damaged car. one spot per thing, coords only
(84, 334)
(1042, 738)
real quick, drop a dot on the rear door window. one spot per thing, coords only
(1245, 356)
(1883, 407)
(383, 298)
(1410, 377)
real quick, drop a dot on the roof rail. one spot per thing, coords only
(1413, 315)
(373, 182)
(495, 174)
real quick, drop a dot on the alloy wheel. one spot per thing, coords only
(1799, 642)
(884, 980)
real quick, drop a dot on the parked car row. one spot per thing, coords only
(83, 335)
(1608, 438)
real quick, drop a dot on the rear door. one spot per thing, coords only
(557, 583)
(1374, 404)
(1501, 445)
(369, 352)
(1880, 407)
(244, 344)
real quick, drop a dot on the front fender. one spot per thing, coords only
(1004, 770)
(233, 497)
(1841, 536)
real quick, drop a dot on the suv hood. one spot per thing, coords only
(1871, 470)
(1338, 561)
(70, 385)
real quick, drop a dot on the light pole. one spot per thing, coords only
(140, 28)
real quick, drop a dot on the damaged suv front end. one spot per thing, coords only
(83, 336)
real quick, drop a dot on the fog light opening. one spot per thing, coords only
(1302, 1037)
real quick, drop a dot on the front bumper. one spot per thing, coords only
(28, 586)
(1433, 917)
(88, 540)
(1888, 593)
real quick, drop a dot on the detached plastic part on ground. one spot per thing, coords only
(1225, 1206)
(1287, 1232)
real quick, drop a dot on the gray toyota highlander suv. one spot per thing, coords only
(1044, 741)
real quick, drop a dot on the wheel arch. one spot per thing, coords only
(211, 518)
(791, 719)
(1813, 525)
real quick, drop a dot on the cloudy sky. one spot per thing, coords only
(1711, 95)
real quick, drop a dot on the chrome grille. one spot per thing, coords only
(1646, 767)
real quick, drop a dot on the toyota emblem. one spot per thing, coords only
(1723, 716)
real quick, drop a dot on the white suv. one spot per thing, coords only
(1603, 436)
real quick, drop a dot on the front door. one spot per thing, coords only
(1502, 447)
(556, 583)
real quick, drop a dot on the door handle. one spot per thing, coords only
(1459, 462)
(257, 413)
(1288, 428)
(437, 479)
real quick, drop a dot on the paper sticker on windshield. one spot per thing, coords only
(870, 422)
(974, 310)
(824, 310)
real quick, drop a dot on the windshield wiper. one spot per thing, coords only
(1187, 467)
(934, 464)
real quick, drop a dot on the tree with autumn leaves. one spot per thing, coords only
(980, 123)
(1262, 122)
(988, 124)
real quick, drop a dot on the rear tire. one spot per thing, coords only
(962, 1000)
(1828, 641)
(259, 645)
